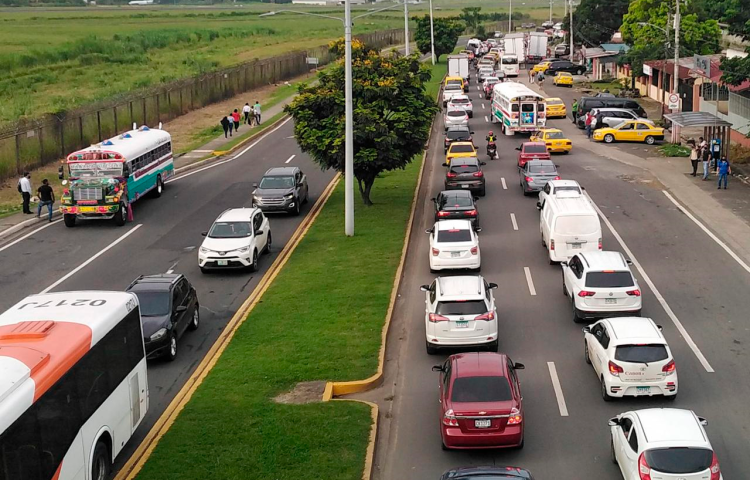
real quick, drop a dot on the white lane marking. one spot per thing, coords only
(513, 220)
(532, 290)
(478, 88)
(502, 179)
(657, 294)
(49, 224)
(203, 151)
(99, 254)
(486, 118)
(558, 389)
(290, 158)
(171, 269)
(290, 136)
(709, 233)
(483, 106)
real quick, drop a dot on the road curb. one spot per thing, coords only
(135, 463)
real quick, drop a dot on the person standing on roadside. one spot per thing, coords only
(256, 109)
(236, 120)
(24, 188)
(46, 198)
(246, 110)
(230, 120)
(724, 171)
(225, 125)
(706, 156)
(574, 109)
(587, 121)
(693, 157)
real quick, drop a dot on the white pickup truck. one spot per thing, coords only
(451, 89)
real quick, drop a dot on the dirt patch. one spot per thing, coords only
(639, 180)
(304, 392)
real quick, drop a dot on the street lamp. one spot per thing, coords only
(432, 35)
(349, 123)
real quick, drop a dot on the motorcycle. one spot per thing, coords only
(492, 150)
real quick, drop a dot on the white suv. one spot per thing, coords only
(664, 444)
(561, 189)
(236, 239)
(454, 244)
(630, 357)
(462, 102)
(600, 284)
(460, 311)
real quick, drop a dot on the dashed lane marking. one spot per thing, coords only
(558, 389)
(502, 180)
(513, 220)
(290, 158)
(529, 281)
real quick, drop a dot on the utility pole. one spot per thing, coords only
(550, 11)
(675, 76)
(432, 35)
(406, 28)
(565, 4)
(510, 16)
(571, 30)
(349, 125)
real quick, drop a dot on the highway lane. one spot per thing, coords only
(702, 285)
(167, 239)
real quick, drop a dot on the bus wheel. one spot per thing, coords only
(70, 220)
(121, 215)
(101, 466)
(159, 187)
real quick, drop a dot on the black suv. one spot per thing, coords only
(465, 173)
(169, 306)
(282, 189)
(457, 133)
(456, 205)
(564, 66)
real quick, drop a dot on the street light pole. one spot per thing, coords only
(570, 9)
(406, 28)
(510, 16)
(550, 11)
(675, 75)
(349, 127)
(432, 35)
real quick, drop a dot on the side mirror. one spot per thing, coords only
(557, 166)
(472, 133)
(429, 230)
(660, 327)
(425, 288)
(61, 173)
(613, 422)
(702, 421)
(564, 264)
(482, 163)
(204, 233)
(255, 185)
(538, 205)
(434, 199)
(586, 329)
(478, 229)
(518, 148)
(437, 368)
(446, 165)
(518, 366)
(181, 309)
(259, 232)
(476, 198)
(629, 261)
(492, 286)
(583, 188)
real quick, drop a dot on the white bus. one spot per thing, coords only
(517, 108)
(73, 386)
(509, 65)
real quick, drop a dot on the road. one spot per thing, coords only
(163, 237)
(687, 272)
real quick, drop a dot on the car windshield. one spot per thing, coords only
(468, 307)
(462, 148)
(458, 135)
(609, 279)
(679, 460)
(577, 224)
(453, 86)
(453, 235)
(153, 304)
(456, 201)
(456, 113)
(535, 149)
(548, 168)
(481, 389)
(555, 135)
(277, 182)
(230, 230)
(641, 353)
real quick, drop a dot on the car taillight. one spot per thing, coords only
(557, 178)
(586, 293)
(486, 316)
(435, 252)
(470, 213)
(449, 419)
(515, 417)
(479, 174)
(450, 175)
(715, 470)
(443, 214)
(552, 244)
(669, 368)
(435, 318)
(615, 369)
(529, 179)
(634, 293)
(643, 469)
(600, 243)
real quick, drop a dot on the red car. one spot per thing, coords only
(480, 401)
(532, 151)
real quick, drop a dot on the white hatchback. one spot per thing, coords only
(460, 311)
(663, 444)
(454, 244)
(455, 117)
(236, 240)
(462, 102)
(630, 357)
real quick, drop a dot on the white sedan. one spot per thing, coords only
(455, 117)
(630, 357)
(454, 244)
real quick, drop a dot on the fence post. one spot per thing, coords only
(143, 99)
(181, 110)
(18, 155)
(99, 124)
(62, 137)
(114, 111)
(158, 109)
(131, 114)
(41, 147)
(80, 127)
(169, 102)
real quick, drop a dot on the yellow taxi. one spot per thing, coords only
(563, 78)
(555, 108)
(460, 150)
(630, 131)
(541, 67)
(554, 139)
(454, 80)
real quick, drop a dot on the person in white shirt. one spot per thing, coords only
(246, 110)
(24, 186)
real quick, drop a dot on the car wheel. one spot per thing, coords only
(586, 355)
(70, 220)
(576, 318)
(520, 445)
(172, 349)
(478, 269)
(443, 446)
(612, 449)
(671, 398)
(579, 71)
(650, 140)
(121, 215)
(254, 265)
(297, 207)
(269, 242)
(482, 192)
(204, 270)
(307, 196)
(565, 288)
(196, 318)
(492, 346)
(430, 349)
(101, 465)
(605, 395)
(609, 138)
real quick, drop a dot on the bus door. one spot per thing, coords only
(528, 113)
(138, 398)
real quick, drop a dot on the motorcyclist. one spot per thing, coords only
(491, 139)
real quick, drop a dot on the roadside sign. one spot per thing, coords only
(311, 60)
(702, 64)
(673, 101)
(647, 70)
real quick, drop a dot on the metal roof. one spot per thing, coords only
(696, 119)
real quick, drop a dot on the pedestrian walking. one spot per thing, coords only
(540, 79)
(587, 122)
(246, 110)
(256, 109)
(24, 188)
(694, 156)
(724, 171)
(706, 156)
(531, 76)
(225, 125)
(574, 109)
(594, 120)
(236, 120)
(46, 198)
(230, 120)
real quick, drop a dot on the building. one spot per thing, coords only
(602, 61)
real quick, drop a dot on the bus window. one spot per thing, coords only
(514, 107)
(527, 107)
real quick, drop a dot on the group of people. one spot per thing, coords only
(539, 76)
(250, 115)
(45, 192)
(711, 157)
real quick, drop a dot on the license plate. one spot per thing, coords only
(642, 390)
(465, 185)
(575, 245)
(462, 324)
(610, 301)
(483, 423)
(87, 209)
(455, 254)
(222, 263)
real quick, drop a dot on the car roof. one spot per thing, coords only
(243, 214)
(564, 183)
(672, 426)
(461, 287)
(278, 171)
(460, 97)
(598, 261)
(455, 108)
(550, 130)
(541, 162)
(461, 143)
(528, 144)
(459, 161)
(553, 98)
(615, 109)
(563, 74)
(457, 193)
(477, 472)
(454, 225)
(158, 282)
(478, 364)
(488, 79)
(626, 330)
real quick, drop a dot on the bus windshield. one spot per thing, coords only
(95, 169)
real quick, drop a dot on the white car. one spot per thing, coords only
(455, 117)
(454, 244)
(630, 357)
(236, 240)
(561, 189)
(462, 102)
(449, 91)
(460, 311)
(663, 444)
(600, 284)
(485, 71)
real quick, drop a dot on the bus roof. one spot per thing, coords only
(129, 145)
(43, 336)
(514, 90)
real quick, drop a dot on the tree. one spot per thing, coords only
(736, 14)
(392, 115)
(595, 21)
(471, 17)
(447, 31)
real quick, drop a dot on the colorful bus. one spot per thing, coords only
(517, 108)
(106, 178)
(73, 387)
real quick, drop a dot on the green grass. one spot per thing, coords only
(674, 150)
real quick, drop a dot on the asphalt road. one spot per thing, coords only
(702, 285)
(164, 235)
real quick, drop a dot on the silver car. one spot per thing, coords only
(612, 117)
(462, 102)
(535, 174)
(455, 117)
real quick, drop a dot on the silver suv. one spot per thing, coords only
(612, 117)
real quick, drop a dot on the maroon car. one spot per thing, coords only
(532, 151)
(480, 401)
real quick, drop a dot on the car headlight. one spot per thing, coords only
(289, 196)
(205, 250)
(243, 249)
(257, 199)
(158, 335)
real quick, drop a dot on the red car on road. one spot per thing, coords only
(480, 401)
(532, 151)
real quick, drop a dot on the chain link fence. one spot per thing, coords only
(33, 143)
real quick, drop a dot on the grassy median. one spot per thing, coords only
(320, 320)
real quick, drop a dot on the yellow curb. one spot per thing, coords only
(370, 454)
(218, 153)
(135, 463)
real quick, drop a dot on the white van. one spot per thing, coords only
(569, 225)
